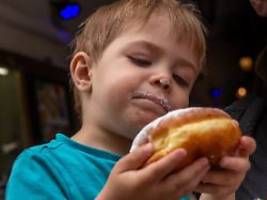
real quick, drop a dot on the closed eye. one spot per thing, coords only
(180, 81)
(139, 61)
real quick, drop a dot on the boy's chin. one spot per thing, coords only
(141, 123)
(135, 123)
(147, 116)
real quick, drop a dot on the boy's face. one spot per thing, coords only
(142, 74)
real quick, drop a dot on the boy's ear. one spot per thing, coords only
(81, 72)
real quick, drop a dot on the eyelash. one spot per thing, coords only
(144, 63)
(140, 61)
(180, 80)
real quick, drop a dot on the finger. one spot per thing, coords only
(235, 164)
(134, 160)
(161, 168)
(214, 189)
(219, 177)
(192, 174)
(247, 147)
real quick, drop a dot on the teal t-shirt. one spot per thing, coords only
(60, 169)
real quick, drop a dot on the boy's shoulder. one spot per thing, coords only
(64, 149)
(41, 149)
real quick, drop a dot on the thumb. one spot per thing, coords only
(135, 159)
(247, 147)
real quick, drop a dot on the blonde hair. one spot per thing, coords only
(103, 26)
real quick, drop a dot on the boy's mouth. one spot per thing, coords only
(163, 102)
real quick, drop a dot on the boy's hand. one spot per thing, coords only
(222, 183)
(157, 181)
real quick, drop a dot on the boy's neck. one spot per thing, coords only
(103, 140)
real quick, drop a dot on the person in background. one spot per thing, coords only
(260, 6)
(251, 112)
(134, 61)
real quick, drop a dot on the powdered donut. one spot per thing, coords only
(202, 132)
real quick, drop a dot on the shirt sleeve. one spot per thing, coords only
(33, 177)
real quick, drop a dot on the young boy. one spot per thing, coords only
(134, 61)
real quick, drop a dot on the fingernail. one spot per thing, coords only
(207, 167)
(223, 164)
(204, 162)
(148, 147)
(181, 152)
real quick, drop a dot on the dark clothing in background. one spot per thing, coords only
(251, 112)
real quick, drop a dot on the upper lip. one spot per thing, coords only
(161, 101)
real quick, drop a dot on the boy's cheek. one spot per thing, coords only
(180, 101)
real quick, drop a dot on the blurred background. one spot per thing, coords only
(35, 99)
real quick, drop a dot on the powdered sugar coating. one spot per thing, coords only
(142, 136)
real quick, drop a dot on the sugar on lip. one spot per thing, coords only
(159, 100)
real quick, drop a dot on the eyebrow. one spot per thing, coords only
(159, 50)
(185, 62)
(146, 44)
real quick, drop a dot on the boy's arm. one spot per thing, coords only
(157, 181)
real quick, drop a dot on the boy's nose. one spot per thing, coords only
(162, 82)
